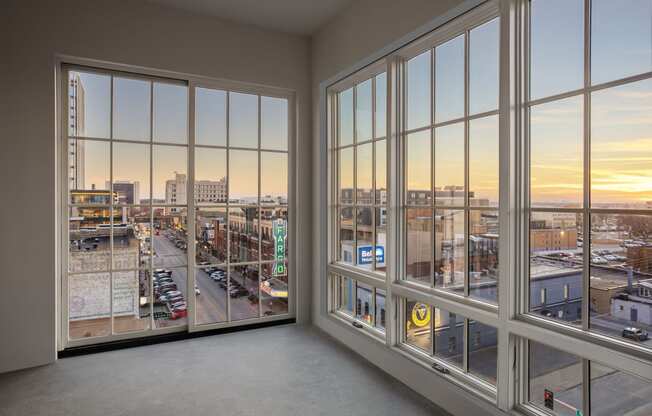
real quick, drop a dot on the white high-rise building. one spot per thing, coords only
(76, 127)
(205, 191)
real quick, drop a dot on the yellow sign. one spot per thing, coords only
(420, 314)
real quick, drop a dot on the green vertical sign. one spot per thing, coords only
(280, 232)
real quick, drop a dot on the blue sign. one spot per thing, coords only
(365, 254)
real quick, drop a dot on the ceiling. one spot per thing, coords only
(302, 17)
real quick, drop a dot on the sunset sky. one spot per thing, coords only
(131, 121)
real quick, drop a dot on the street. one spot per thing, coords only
(212, 301)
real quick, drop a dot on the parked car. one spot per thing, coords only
(178, 313)
(222, 284)
(636, 334)
(219, 278)
(174, 299)
(178, 305)
(238, 292)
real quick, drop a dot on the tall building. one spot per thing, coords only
(76, 128)
(204, 190)
(126, 192)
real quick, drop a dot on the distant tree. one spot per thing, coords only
(639, 226)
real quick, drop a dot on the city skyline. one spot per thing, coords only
(131, 160)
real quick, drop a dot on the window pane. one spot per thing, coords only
(449, 250)
(364, 173)
(614, 392)
(346, 117)
(621, 146)
(621, 289)
(89, 172)
(89, 231)
(555, 380)
(170, 113)
(89, 305)
(483, 351)
(418, 244)
(274, 177)
(483, 161)
(131, 303)
(169, 170)
(132, 238)
(380, 309)
(273, 289)
(449, 165)
(483, 255)
(131, 109)
(243, 176)
(556, 265)
(89, 105)
(364, 303)
(364, 237)
(483, 67)
(417, 326)
(273, 226)
(381, 238)
(210, 176)
(243, 285)
(381, 172)
(556, 154)
(274, 123)
(381, 105)
(170, 248)
(449, 337)
(243, 234)
(171, 297)
(346, 244)
(243, 120)
(346, 294)
(418, 168)
(210, 295)
(346, 175)
(210, 224)
(449, 80)
(621, 39)
(557, 47)
(210, 117)
(418, 91)
(363, 117)
(131, 168)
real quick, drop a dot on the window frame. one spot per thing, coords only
(63, 65)
(511, 319)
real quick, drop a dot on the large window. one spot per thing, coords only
(136, 171)
(589, 153)
(516, 156)
(450, 154)
(361, 155)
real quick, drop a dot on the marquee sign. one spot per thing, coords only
(280, 232)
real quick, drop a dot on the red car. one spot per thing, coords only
(178, 313)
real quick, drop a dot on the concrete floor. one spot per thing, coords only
(285, 370)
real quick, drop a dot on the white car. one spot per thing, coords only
(197, 291)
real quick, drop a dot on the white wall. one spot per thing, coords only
(365, 28)
(129, 32)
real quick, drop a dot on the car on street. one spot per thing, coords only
(172, 299)
(636, 334)
(178, 313)
(197, 291)
(238, 292)
(179, 305)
